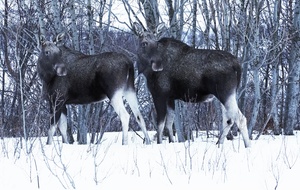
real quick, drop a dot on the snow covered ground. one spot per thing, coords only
(271, 163)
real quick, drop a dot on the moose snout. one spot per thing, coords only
(60, 69)
(156, 66)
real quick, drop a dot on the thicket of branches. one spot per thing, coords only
(264, 34)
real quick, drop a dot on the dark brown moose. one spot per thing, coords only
(176, 71)
(71, 77)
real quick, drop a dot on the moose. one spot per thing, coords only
(176, 71)
(71, 77)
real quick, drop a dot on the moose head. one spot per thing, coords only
(149, 49)
(51, 54)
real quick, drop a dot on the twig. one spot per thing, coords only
(165, 167)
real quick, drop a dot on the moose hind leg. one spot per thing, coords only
(118, 105)
(241, 122)
(131, 98)
(227, 122)
(233, 114)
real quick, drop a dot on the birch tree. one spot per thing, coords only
(151, 14)
(292, 91)
(6, 65)
(175, 11)
(194, 23)
(56, 16)
(275, 65)
(207, 19)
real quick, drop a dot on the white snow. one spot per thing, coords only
(270, 163)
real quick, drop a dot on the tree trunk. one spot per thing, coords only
(151, 14)
(292, 92)
(41, 17)
(74, 28)
(274, 91)
(2, 106)
(176, 25)
(57, 24)
(245, 56)
(275, 69)
(85, 110)
(194, 28)
(75, 43)
(207, 20)
(256, 104)
(90, 28)
(6, 62)
(172, 18)
(224, 15)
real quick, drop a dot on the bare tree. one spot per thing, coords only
(292, 91)
(151, 13)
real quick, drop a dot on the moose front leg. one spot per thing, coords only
(62, 124)
(59, 120)
(51, 132)
(160, 128)
(54, 122)
(161, 110)
(170, 120)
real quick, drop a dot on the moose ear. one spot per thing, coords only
(59, 38)
(138, 29)
(42, 40)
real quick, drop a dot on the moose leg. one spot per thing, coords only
(170, 119)
(233, 114)
(117, 103)
(69, 135)
(161, 110)
(241, 122)
(54, 123)
(226, 125)
(51, 133)
(59, 120)
(133, 103)
(62, 124)
(160, 125)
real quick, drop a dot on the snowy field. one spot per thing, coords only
(271, 163)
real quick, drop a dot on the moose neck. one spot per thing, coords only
(68, 55)
(174, 48)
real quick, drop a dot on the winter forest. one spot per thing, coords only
(263, 34)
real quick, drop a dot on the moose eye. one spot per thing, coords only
(47, 53)
(144, 44)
